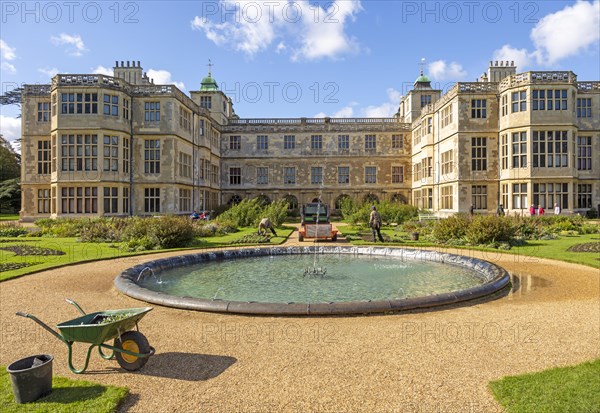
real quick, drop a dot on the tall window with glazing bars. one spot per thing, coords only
(152, 156)
(152, 111)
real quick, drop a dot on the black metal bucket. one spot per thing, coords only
(31, 377)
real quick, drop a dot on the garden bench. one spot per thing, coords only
(428, 217)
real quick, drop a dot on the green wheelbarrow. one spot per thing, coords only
(130, 348)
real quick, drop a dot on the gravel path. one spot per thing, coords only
(438, 361)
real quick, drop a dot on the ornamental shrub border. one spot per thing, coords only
(498, 232)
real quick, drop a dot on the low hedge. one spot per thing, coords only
(10, 229)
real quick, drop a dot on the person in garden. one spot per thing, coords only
(194, 216)
(532, 210)
(264, 225)
(375, 224)
(500, 210)
(540, 210)
(556, 209)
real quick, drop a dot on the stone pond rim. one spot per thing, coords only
(495, 278)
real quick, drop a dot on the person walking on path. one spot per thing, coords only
(532, 210)
(375, 224)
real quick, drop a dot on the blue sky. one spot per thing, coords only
(285, 58)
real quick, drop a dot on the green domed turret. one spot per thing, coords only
(208, 84)
(422, 79)
(422, 82)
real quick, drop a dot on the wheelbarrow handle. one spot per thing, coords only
(73, 303)
(41, 323)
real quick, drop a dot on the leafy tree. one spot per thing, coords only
(10, 161)
(12, 97)
(10, 172)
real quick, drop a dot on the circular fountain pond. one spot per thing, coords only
(312, 280)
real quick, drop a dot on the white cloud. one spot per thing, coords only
(345, 112)
(558, 35)
(566, 32)
(323, 33)
(163, 77)
(101, 70)
(10, 128)
(7, 52)
(74, 42)
(440, 70)
(521, 57)
(9, 68)
(386, 109)
(251, 30)
(49, 72)
(307, 31)
(281, 47)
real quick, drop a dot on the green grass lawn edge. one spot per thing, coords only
(533, 248)
(68, 396)
(224, 241)
(573, 389)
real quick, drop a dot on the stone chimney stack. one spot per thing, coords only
(131, 73)
(499, 70)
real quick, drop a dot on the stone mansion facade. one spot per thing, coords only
(120, 145)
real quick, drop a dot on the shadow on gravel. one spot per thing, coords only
(187, 366)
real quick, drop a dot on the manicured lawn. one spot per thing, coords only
(76, 252)
(9, 217)
(573, 389)
(68, 396)
(556, 249)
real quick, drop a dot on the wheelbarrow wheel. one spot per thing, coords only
(135, 342)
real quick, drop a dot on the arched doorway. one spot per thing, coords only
(339, 200)
(371, 199)
(292, 201)
(263, 199)
(399, 198)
